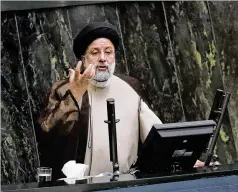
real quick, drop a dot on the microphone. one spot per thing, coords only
(219, 107)
(112, 137)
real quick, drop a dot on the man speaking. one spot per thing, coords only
(74, 116)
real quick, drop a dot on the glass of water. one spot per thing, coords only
(44, 174)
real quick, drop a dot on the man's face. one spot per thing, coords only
(101, 52)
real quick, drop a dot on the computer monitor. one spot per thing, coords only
(174, 146)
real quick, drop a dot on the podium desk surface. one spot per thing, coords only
(221, 178)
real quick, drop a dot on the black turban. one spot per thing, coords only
(92, 32)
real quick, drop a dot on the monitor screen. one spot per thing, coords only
(174, 146)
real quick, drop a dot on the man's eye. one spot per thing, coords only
(108, 52)
(94, 53)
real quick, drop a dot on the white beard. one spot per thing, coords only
(102, 79)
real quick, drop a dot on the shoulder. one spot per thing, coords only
(133, 83)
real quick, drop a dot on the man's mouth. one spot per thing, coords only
(102, 68)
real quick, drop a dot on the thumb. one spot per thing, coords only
(71, 75)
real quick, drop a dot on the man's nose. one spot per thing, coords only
(102, 57)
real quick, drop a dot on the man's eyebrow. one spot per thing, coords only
(93, 49)
(110, 47)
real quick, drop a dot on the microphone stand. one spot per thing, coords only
(217, 113)
(112, 137)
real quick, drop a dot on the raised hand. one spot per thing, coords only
(79, 82)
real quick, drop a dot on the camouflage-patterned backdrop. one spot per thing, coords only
(181, 51)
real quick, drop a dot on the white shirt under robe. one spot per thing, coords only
(126, 109)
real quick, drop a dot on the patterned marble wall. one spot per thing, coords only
(181, 51)
(225, 31)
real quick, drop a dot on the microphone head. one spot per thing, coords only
(110, 100)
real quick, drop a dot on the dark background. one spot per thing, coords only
(180, 51)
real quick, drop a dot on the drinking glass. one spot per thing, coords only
(44, 174)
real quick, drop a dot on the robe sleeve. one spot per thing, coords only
(147, 119)
(61, 111)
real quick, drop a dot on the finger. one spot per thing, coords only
(78, 66)
(95, 67)
(87, 76)
(71, 75)
(92, 73)
(92, 70)
(78, 69)
(87, 71)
